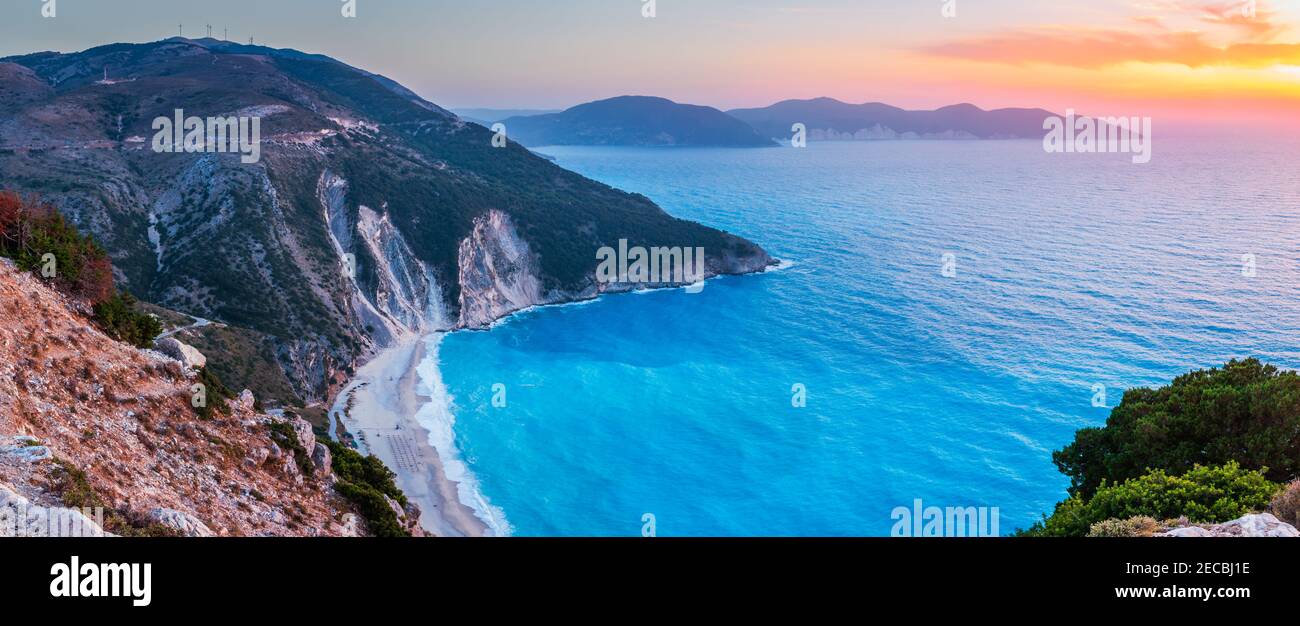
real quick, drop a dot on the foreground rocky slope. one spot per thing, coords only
(88, 421)
(371, 213)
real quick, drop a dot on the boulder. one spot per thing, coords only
(24, 448)
(1254, 525)
(188, 355)
(19, 517)
(259, 456)
(1258, 525)
(323, 460)
(245, 402)
(186, 524)
(273, 452)
(1188, 531)
(306, 438)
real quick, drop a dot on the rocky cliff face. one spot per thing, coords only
(371, 213)
(87, 421)
(498, 272)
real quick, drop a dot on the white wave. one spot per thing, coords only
(438, 417)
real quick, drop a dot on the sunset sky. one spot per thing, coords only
(1170, 58)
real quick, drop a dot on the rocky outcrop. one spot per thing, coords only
(188, 355)
(20, 517)
(408, 516)
(112, 425)
(245, 402)
(23, 449)
(322, 460)
(184, 523)
(302, 429)
(1255, 525)
(498, 272)
(406, 290)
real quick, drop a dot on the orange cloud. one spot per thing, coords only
(1245, 39)
(1097, 49)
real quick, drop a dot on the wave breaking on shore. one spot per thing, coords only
(438, 417)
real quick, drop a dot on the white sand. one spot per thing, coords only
(384, 398)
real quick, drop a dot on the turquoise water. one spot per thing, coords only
(1071, 271)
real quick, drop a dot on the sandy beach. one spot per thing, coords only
(379, 408)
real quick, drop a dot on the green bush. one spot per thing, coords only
(1246, 412)
(364, 481)
(121, 320)
(1204, 494)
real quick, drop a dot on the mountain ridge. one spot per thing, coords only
(350, 230)
(635, 121)
(831, 119)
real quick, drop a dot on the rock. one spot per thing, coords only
(1189, 531)
(259, 456)
(306, 438)
(273, 452)
(245, 402)
(413, 520)
(323, 460)
(351, 526)
(395, 506)
(1258, 525)
(188, 355)
(186, 524)
(20, 518)
(24, 448)
(1254, 525)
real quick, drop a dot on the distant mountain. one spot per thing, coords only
(371, 215)
(635, 121)
(488, 117)
(828, 119)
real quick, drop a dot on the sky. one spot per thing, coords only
(1181, 59)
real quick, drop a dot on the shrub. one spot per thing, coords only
(217, 394)
(1139, 526)
(1286, 506)
(121, 320)
(364, 481)
(1204, 494)
(1246, 412)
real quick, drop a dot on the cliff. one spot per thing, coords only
(86, 421)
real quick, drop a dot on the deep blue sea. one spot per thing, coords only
(1071, 271)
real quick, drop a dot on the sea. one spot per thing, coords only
(945, 315)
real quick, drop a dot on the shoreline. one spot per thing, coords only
(380, 405)
(384, 399)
